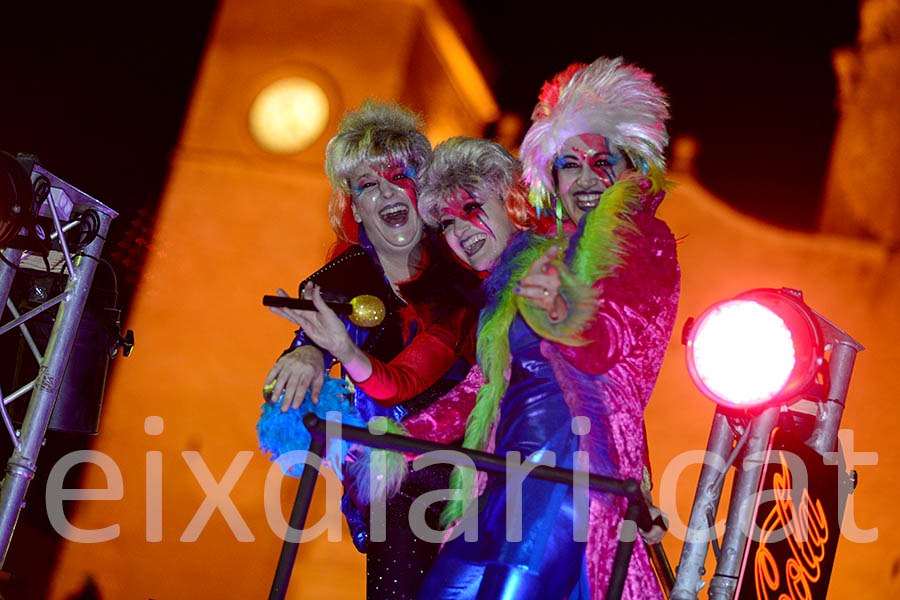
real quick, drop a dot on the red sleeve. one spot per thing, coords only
(420, 364)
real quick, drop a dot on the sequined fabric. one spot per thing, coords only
(631, 333)
(396, 566)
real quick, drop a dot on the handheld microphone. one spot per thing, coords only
(364, 310)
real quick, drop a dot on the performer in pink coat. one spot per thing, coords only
(573, 334)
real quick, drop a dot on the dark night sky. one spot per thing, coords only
(98, 93)
(751, 80)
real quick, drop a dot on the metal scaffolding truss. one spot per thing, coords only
(67, 206)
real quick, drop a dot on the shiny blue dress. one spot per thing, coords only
(548, 562)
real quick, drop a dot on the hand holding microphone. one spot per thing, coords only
(325, 328)
(364, 310)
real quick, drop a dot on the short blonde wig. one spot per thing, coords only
(379, 134)
(480, 167)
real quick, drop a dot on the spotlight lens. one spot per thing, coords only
(743, 352)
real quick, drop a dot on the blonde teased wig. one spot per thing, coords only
(379, 134)
(608, 97)
(480, 167)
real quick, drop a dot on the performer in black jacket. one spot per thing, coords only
(417, 353)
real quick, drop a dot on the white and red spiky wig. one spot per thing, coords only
(608, 97)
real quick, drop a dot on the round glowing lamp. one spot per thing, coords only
(761, 347)
(288, 115)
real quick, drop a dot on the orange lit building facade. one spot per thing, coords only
(238, 221)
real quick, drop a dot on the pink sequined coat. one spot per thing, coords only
(630, 333)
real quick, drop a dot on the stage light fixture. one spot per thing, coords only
(761, 347)
(16, 198)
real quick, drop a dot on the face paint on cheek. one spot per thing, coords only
(406, 182)
(606, 173)
(599, 145)
(474, 216)
(356, 191)
(484, 225)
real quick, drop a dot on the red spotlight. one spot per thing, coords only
(763, 346)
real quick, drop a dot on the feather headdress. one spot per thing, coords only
(608, 97)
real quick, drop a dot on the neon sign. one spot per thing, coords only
(791, 551)
(806, 531)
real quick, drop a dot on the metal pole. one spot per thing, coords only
(840, 366)
(661, 568)
(690, 572)
(298, 518)
(7, 273)
(21, 466)
(627, 536)
(482, 460)
(18, 321)
(830, 412)
(23, 329)
(742, 505)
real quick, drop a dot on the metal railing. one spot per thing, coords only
(637, 511)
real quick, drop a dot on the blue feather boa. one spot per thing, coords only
(286, 439)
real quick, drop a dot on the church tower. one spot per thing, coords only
(862, 195)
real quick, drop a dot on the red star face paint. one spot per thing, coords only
(586, 166)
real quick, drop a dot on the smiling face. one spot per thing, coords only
(586, 166)
(384, 201)
(477, 231)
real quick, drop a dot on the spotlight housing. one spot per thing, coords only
(17, 198)
(761, 347)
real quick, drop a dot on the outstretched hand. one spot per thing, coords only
(541, 285)
(324, 328)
